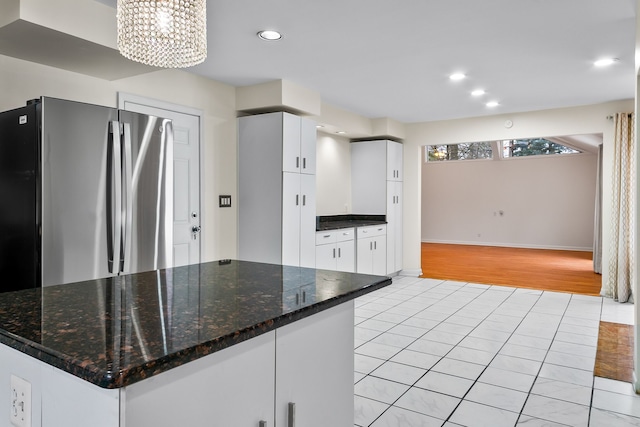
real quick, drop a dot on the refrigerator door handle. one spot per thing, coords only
(114, 195)
(127, 212)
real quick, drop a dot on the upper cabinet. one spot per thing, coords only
(298, 144)
(276, 189)
(394, 161)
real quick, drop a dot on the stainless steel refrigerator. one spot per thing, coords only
(86, 192)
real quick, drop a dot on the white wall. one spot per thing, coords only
(22, 80)
(547, 202)
(333, 175)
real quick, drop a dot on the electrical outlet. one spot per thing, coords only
(20, 402)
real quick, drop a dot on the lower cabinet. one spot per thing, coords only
(314, 370)
(301, 375)
(335, 250)
(372, 250)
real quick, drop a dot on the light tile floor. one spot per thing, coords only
(441, 353)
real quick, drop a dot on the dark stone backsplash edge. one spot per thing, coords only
(121, 378)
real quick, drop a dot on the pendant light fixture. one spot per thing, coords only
(163, 33)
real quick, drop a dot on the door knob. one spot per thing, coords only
(195, 229)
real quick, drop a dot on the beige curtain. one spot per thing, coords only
(621, 259)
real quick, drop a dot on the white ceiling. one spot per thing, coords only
(383, 58)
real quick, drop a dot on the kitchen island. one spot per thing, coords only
(227, 343)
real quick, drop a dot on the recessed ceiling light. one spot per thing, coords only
(457, 76)
(341, 132)
(478, 92)
(269, 35)
(605, 62)
(492, 104)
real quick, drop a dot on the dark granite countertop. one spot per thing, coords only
(117, 331)
(334, 222)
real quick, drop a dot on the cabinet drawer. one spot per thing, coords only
(324, 237)
(372, 231)
(345, 234)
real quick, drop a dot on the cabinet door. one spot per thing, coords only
(398, 228)
(364, 261)
(314, 369)
(394, 226)
(346, 260)
(307, 221)
(290, 143)
(308, 137)
(394, 161)
(379, 256)
(291, 202)
(326, 257)
(231, 387)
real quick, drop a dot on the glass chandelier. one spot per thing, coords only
(163, 33)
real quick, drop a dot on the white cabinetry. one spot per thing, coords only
(335, 250)
(276, 189)
(307, 363)
(376, 187)
(372, 249)
(314, 370)
(394, 226)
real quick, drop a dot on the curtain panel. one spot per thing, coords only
(621, 261)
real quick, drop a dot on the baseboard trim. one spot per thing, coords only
(412, 272)
(511, 245)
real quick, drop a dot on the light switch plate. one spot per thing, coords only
(225, 201)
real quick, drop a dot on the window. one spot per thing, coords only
(463, 151)
(504, 149)
(533, 147)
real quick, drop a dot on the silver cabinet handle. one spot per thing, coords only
(304, 163)
(304, 200)
(297, 162)
(297, 199)
(334, 252)
(292, 415)
(326, 236)
(339, 253)
(127, 167)
(262, 424)
(375, 245)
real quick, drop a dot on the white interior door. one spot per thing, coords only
(186, 150)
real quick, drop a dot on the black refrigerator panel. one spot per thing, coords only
(19, 199)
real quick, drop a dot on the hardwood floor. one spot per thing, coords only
(554, 270)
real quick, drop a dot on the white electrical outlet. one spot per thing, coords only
(20, 402)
